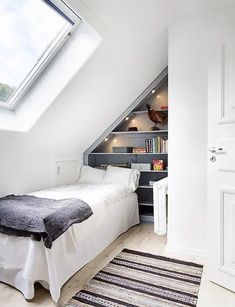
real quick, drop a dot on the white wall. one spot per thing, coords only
(190, 40)
(132, 54)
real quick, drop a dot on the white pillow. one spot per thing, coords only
(128, 177)
(91, 175)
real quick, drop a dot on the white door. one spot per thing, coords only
(221, 164)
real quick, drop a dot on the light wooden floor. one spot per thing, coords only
(140, 237)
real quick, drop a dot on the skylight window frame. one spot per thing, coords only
(45, 58)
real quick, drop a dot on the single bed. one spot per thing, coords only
(24, 261)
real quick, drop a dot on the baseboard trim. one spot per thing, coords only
(186, 251)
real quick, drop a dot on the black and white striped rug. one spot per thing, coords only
(139, 279)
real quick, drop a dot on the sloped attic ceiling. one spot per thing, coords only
(183, 7)
(133, 52)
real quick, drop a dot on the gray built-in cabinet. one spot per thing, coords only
(118, 134)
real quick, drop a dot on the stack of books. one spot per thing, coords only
(139, 150)
(156, 145)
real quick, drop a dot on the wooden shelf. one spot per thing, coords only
(128, 153)
(145, 186)
(153, 171)
(146, 204)
(146, 218)
(139, 132)
(146, 111)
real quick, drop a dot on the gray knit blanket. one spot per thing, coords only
(40, 218)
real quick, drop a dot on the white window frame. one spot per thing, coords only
(45, 57)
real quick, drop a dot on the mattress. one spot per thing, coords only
(115, 210)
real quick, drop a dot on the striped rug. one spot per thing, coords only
(139, 279)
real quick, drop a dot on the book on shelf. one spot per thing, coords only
(156, 145)
(104, 166)
(139, 150)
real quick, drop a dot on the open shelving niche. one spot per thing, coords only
(100, 152)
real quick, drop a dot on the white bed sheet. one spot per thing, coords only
(24, 261)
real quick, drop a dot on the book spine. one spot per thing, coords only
(151, 145)
(164, 146)
(146, 145)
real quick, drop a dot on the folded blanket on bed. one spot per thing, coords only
(40, 218)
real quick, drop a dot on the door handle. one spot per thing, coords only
(215, 150)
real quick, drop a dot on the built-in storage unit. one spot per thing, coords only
(131, 139)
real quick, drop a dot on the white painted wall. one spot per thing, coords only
(190, 41)
(132, 54)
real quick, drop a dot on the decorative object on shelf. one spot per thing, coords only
(122, 149)
(158, 165)
(156, 117)
(132, 129)
(164, 108)
(141, 166)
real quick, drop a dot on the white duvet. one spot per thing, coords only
(104, 194)
(98, 197)
(24, 261)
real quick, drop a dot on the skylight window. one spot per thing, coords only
(31, 32)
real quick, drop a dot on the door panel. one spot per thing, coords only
(228, 231)
(66, 172)
(221, 164)
(227, 81)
